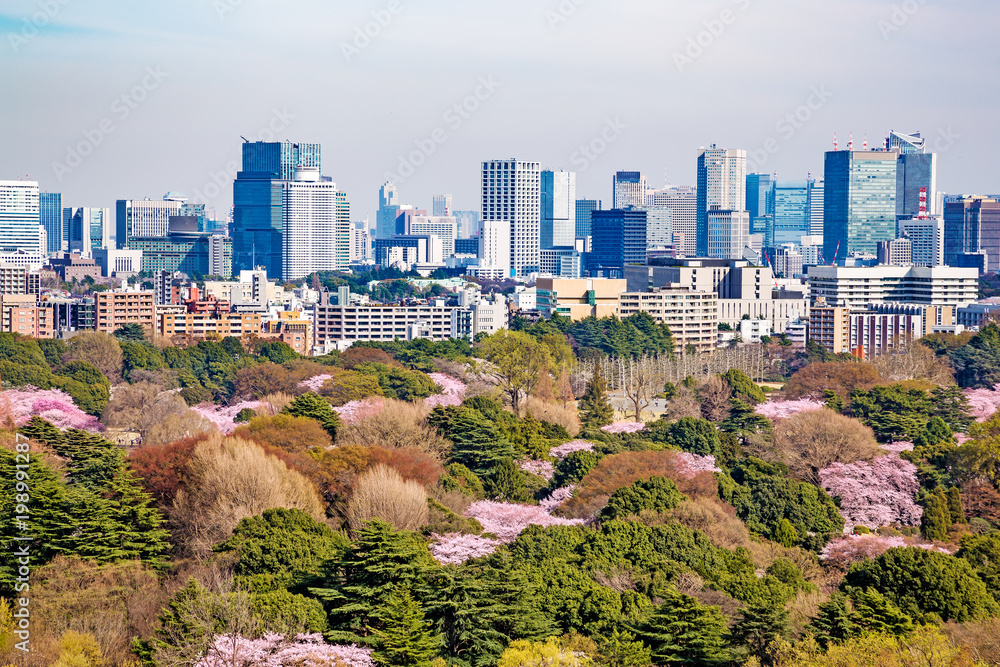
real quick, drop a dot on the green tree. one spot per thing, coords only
(784, 533)
(620, 649)
(315, 407)
(573, 467)
(467, 614)
(743, 388)
(760, 626)
(683, 631)
(690, 434)
(137, 522)
(977, 364)
(955, 509)
(835, 621)
(875, 613)
(41, 430)
(936, 519)
(479, 442)
(936, 432)
(952, 405)
(983, 553)
(516, 360)
(404, 638)
(506, 481)
(595, 410)
(656, 493)
(130, 332)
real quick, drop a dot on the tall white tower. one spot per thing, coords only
(511, 192)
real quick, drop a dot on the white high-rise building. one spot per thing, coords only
(144, 218)
(728, 233)
(659, 227)
(19, 216)
(511, 192)
(682, 200)
(90, 229)
(629, 189)
(494, 247)
(442, 205)
(361, 242)
(722, 184)
(443, 227)
(558, 228)
(927, 236)
(316, 228)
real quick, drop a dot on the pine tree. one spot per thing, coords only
(835, 622)
(42, 431)
(315, 407)
(479, 443)
(681, 630)
(468, 616)
(936, 519)
(619, 649)
(875, 613)
(595, 410)
(759, 627)
(955, 509)
(137, 520)
(358, 586)
(935, 433)
(506, 482)
(405, 639)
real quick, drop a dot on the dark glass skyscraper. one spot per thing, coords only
(859, 205)
(760, 204)
(258, 209)
(972, 226)
(51, 218)
(791, 212)
(619, 238)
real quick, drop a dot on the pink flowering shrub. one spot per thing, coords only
(224, 417)
(845, 550)
(452, 391)
(898, 447)
(556, 499)
(308, 650)
(624, 427)
(562, 451)
(983, 402)
(543, 469)
(689, 465)
(775, 410)
(315, 383)
(874, 494)
(456, 548)
(52, 405)
(355, 411)
(507, 520)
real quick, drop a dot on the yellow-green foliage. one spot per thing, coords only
(549, 653)
(77, 649)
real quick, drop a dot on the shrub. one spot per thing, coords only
(840, 377)
(381, 493)
(287, 432)
(656, 493)
(398, 425)
(567, 417)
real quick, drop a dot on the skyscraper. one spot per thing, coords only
(722, 182)
(916, 172)
(558, 223)
(258, 202)
(142, 218)
(468, 223)
(511, 192)
(760, 205)
(90, 229)
(859, 206)
(584, 209)
(728, 233)
(972, 226)
(494, 247)
(315, 227)
(442, 226)
(619, 239)
(442, 205)
(19, 216)
(682, 200)
(904, 143)
(792, 219)
(388, 209)
(629, 189)
(816, 190)
(50, 217)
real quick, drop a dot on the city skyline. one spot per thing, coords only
(126, 111)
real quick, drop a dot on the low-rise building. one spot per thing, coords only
(113, 310)
(336, 323)
(577, 298)
(16, 279)
(22, 314)
(830, 326)
(202, 325)
(291, 328)
(856, 287)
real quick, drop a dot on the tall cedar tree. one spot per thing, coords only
(315, 407)
(405, 639)
(760, 626)
(595, 410)
(683, 631)
(936, 519)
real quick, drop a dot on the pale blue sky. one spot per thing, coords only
(223, 68)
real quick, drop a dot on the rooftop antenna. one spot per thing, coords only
(245, 140)
(887, 142)
(834, 141)
(864, 146)
(850, 143)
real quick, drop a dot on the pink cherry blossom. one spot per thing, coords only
(845, 550)
(456, 548)
(452, 391)
(775, 410)
(356, 411)
(52, 405)
(507, 520)
(543, 469)
(562, 451)
(273, 650)
(224, 417)
(556, 499)
(874, 494)
(689, 465)
(315, 383)
(983, 402)
(624, 427)
(898, 447)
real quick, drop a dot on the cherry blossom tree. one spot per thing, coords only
(689, 465)
(273, 650)
(456, 548)
(983, 402)
(845, 550)
(898, 447)
(224, 418)
(624, 427)
(562, 451)
(507, 520)
(556, 499)
(543, 469)
(775, 410)
(874, 494)
(315, 383)
(52, 405)
(452, 391)
(356, 411)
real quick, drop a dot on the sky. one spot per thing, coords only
(127, 100)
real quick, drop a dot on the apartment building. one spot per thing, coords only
(693, 317)
(113, 310)
(21, 314)
(200, 325)
(578, 298)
